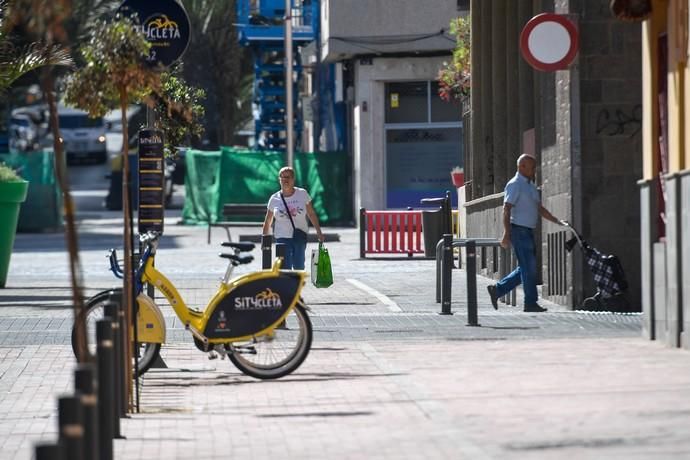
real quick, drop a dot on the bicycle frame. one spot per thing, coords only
(256, 300)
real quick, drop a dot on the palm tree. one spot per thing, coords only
(45, 53)
(17, 60)
(218, 65)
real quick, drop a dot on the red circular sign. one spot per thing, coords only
(549, 42)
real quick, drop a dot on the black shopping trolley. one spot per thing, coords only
(608, 275)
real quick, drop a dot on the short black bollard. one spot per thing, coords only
(280, 252)
(85, 385)
(106, 393)
(266, 251)
(71, 426)
(48, 451)
(471, 255)
(446, 273)
(111, 311)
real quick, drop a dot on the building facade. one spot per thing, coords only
(584, 126)
(403, 138)
(665, 185)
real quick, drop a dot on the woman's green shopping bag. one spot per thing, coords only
(321, 274)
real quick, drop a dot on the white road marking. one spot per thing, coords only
(392, 306)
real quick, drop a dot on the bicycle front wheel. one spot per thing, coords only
(93, 312)
(272, 357)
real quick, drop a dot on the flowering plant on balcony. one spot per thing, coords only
(457, 174)
(454, 78)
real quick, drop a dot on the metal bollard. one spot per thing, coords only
(471, 255)
(111, 311)
(439, 259)
(84, 384)
(106, 394)
(71, 426)
(266, 251)
(446, 273)
(280, 252)
(362, 232)
(48, 451)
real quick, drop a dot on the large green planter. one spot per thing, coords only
(12, 194)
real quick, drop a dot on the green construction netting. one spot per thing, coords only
(234, 175)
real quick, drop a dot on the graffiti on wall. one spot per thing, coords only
(619, 122)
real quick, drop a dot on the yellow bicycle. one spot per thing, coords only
(258, 320)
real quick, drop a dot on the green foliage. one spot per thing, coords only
(17, 60)
(216, 62)
(179, 109)
(7, 174)
(115, 67)
(455, 77)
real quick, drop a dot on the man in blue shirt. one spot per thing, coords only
(521, 210)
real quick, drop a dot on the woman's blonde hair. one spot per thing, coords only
(286, 169)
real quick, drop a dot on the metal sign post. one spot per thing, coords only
(289, 134)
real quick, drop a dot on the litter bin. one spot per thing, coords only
(435, 222)
(113, 201)
(42, 209)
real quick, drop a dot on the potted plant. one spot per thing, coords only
(12, 193)
(457, 174)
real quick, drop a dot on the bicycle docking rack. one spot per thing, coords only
(444, 272)
(266, 253)
(280, 250)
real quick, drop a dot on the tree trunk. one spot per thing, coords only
(70, 227)
(127, 288)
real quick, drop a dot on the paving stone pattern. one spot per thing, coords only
(387, 377)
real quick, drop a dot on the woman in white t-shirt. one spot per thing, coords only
(299, 205)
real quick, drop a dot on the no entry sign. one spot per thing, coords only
(549, 42)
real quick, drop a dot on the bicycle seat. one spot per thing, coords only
(246, 246)
(237, 260)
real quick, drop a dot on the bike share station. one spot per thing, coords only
(257, 320)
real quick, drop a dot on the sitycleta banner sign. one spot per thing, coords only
(166, 26)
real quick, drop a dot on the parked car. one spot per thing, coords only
(83, 137)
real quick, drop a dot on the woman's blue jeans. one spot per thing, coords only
(294, 253)
(522, 239)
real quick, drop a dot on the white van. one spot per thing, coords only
(82, 137)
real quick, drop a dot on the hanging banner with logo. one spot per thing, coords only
(151, 180)
(166, 26)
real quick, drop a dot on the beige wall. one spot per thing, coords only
(375, 19)
(678, 79)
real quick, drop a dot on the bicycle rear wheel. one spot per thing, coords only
(94, 308)
(271, 357)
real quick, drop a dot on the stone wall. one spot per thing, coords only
(610, 79)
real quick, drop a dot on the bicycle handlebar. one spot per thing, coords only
(114, 266)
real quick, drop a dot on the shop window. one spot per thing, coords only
(418, 163)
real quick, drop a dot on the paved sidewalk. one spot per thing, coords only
(388, 377)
